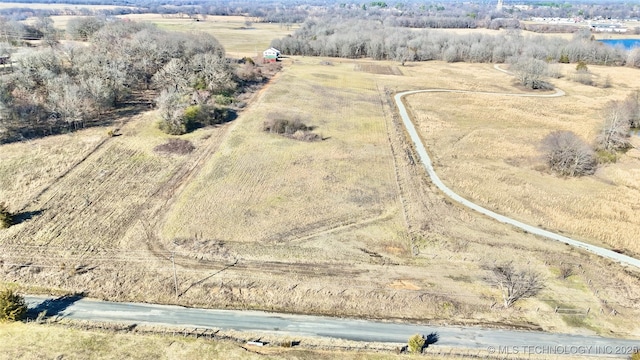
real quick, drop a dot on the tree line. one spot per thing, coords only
(413, 14)
(336, 37)
(62, 87)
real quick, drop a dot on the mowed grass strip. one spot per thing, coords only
(265, 187)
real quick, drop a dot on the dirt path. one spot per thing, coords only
(426, 161)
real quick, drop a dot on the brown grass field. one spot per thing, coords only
(347, 226)
(232, 32)
(488, 149)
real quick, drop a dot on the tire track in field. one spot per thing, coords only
(172, 189)
(58, 178)
(426, 161)
(73, 166)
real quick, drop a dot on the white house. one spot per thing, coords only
(271, 55)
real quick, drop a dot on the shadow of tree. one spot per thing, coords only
(53, 307)
(431, 339)
(25, 215)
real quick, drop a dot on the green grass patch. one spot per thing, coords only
(606, 157)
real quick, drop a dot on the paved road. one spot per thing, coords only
(316, 326)
(426, 161)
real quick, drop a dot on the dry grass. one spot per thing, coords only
(264, 222)
(493, 157)
(20, 341)
(29, 167)
(268, 189)
(231, 31)
(68, 341)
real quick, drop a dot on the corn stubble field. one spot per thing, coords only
(347, 226)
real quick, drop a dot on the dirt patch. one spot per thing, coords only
(378, 69)
(175, 146)
(404, 285)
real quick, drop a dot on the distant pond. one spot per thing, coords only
(626, 43)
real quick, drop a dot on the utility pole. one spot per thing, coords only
(175, 276)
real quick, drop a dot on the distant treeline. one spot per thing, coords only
(406, 13)
(336, 38)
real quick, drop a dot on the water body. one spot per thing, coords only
(628, 44)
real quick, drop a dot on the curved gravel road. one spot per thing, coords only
(481, 341)
(426, 161)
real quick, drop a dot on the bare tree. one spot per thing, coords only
(213, 72)
(172, 105)
(530, 72)
(515, 284)
(173, 75)
(82, 28)
(99, 91)
(67, 100)
(615, 132)
(568, 155)
(566, 271)
(633, 59)
(632, 109)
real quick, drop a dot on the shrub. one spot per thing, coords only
(6, 217)
(582, 66)
(635, 355)
(295, 129)
(283, 126)
(200, 84)
(12, 306)
(564, 59)
(173, 126)
(568, 155)
(223, 99)
(191, 113)
(583, 78)
(416, 343)
(306, 136)
(554, 71)
(615, 130)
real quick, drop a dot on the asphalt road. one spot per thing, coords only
(426, 161)
(477, 339)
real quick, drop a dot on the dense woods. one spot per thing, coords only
(65, 86)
